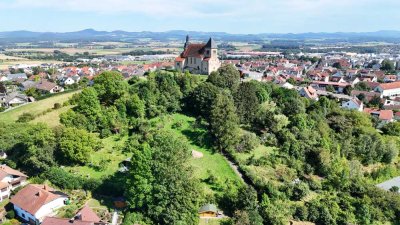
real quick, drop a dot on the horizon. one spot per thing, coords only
(238, 17)
(199, 31)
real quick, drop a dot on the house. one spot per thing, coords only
(309, 92)
(365, 95)
(384, 116)
(389, 89)
(339, 87)
(208, 210)
(13, 99)
(198, 58)
(17, 76)
(35, 202)
(10, 179)
(86, 216)
(49, 87)
(353, 104)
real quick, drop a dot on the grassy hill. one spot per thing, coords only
(38, 108)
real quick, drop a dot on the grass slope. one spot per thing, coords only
(52, 118)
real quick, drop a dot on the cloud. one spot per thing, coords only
(193, 8)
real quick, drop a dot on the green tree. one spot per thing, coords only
(77, 146)
(110, 86)
(199, 101)
(247, 102)
(227, 77)
(387, 65)
(161, 186)
(224, 122)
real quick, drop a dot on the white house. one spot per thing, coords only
(10, 179)
(389, 89)
(309, 92)
(353, 104)
(35, 202)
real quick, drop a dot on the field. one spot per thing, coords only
(36, 108)
(211, 162)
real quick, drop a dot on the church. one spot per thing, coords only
(198, 58)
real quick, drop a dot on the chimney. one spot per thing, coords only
(46, 187)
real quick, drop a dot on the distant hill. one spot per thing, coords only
(119, 35)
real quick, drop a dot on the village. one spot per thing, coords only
(365, 83)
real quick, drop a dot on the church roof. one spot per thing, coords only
(193, 50)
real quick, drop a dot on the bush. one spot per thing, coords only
(57, 106)
(10, 214)
(25, 117)
(248, 142)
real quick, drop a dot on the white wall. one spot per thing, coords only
(49, 208)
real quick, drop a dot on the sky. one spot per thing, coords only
(233, 16)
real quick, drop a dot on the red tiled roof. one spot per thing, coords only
(87, 214)
(179, 59)
(58, 221)
(386, 115)
(389, 86)
(193, 50)
(32, 197)
(5, 171)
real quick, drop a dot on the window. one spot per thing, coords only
(208, 52)
(23, 215)
(4, 189)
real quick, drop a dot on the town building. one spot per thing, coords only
(389, 89)
(10, 179)
(198, 58)
(35, 202)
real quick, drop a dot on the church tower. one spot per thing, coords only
(187, 42)
(211, 49)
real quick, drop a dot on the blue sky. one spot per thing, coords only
(233, 16)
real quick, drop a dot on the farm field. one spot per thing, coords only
(38, 107)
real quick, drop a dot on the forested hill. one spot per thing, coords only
(93, 35)
(306, 160)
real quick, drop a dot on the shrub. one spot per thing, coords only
(57, 106)
(248, 142)
(10, 214)
(25, 117)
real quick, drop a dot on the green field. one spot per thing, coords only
(36, 108)
(210, 162)
(108, 157)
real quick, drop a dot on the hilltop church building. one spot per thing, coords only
(198, 58)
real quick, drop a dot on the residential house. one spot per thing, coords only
(339, 87)
(309, 92)
(10, 179)
(199, 58)
(13, 99)
(86, 216)
(35, 202)
(365, 95)
(353, 104)
(17, 76)
(384, 116)
(389, 89)
(390, 78)
(49, 87)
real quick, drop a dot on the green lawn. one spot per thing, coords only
(110, 155)
(39, 107)
(211, 161)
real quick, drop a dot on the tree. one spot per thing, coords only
(227, 77)
(392, 129)
(198, 103)
(77, 146)
(362, 86)
(247, 102)
(224, 122)
(337, 65)
(330, 88)
(161, 186)
(387, 65)
(110, 86)
(3, 88)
